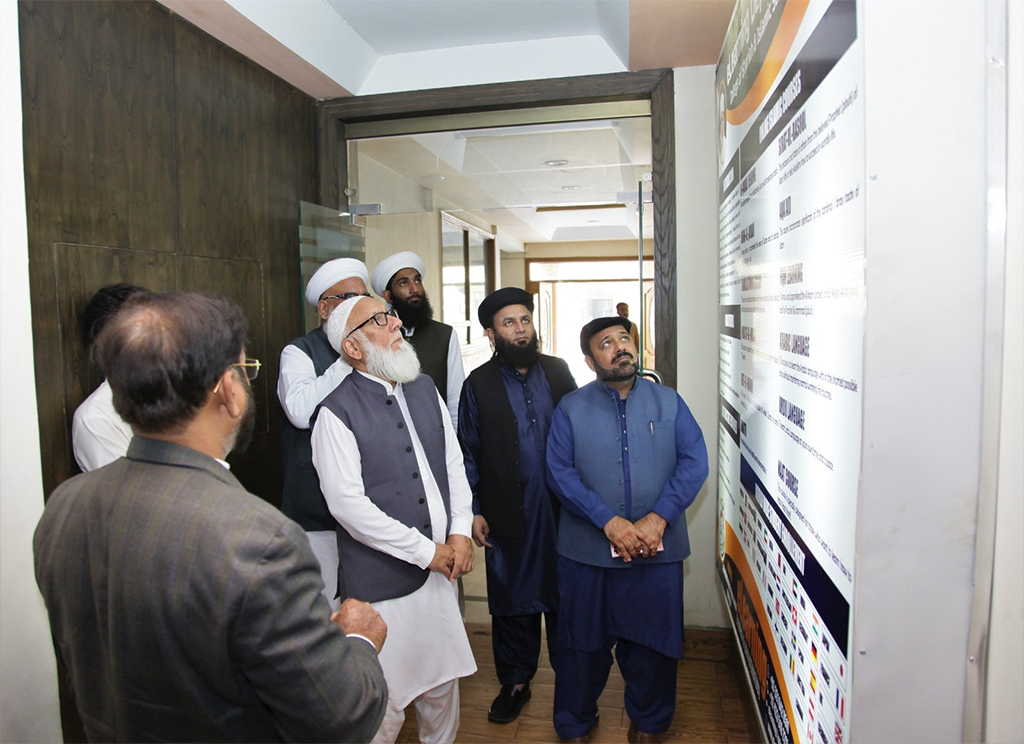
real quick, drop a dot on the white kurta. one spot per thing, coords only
(427, 643)
(98, 435)
(300, 390)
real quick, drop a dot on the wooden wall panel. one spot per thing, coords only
(663, 155)
(80, 271)
(238, 198)
(144, 135)
(242, 283)
(98, 121)
(99, 157)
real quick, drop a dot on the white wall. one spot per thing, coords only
(1004, 714)
(697, 323)
(419, 232)
(28, 681)
(513, 270)
(926, 253)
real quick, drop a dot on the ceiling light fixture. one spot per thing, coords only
(577, 207)
(570, 188)
(555, 163)
(433, 177)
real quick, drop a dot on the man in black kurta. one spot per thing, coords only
(504, 416)
(398, 279)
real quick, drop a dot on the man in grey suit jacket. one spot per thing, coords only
(183, 607)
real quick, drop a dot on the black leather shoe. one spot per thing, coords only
(636, 736)
(508, 704)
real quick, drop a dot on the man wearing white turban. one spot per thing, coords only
(399, 280)
(393, 476)
(310, 369)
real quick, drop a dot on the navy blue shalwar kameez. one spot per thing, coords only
(522, 574)
(636, 609)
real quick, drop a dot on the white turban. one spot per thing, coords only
(338, 321)
(331, 273)
(391, 265)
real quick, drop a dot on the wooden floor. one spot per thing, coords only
(709, 702)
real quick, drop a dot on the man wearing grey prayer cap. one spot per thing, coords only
(310, 370)
(399, 280)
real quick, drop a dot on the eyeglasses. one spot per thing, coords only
(346, 296)
(251, 368)
(380, 319)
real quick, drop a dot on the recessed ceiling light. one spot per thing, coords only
(433, 177)
(556, 163)
(570, 188)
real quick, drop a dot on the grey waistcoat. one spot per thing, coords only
(391, 478)
(301, 498)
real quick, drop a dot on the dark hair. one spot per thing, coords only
(163, 353)
(102, 307)
(597, 325)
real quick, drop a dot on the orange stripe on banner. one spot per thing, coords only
(782, 42)
(734, 549)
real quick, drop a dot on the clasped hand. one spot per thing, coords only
(453, 558)
(636, 540)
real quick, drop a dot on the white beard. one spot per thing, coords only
(400, 366)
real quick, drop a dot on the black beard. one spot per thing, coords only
(517, 356)
(247, 425)
(413, 315)
(617, 373)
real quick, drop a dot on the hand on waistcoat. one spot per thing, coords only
(651, 529)
(480, 531)
(624, 535)
(464, 558)
(444, 560)
(359, 618)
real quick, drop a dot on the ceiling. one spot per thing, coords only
(571, 181)
(338, 48)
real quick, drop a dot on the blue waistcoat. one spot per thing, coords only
(593, 414)
(391, 478)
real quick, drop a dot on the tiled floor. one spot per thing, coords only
(709, 708)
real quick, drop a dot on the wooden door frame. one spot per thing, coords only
(333, 115)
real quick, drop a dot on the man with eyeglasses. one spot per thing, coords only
(392, 474)
(399, 280)
(310, 369)
(182, 607)
(504, 419)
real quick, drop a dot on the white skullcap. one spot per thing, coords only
(338, 321)
(391, 266)
(331, 273)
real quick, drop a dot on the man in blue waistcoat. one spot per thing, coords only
(622, 535)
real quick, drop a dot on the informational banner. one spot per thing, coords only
(791, 240)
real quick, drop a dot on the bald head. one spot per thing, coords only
(162, 355)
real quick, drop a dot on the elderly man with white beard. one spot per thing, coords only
(391, 471)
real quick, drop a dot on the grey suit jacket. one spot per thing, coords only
(186, 609)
